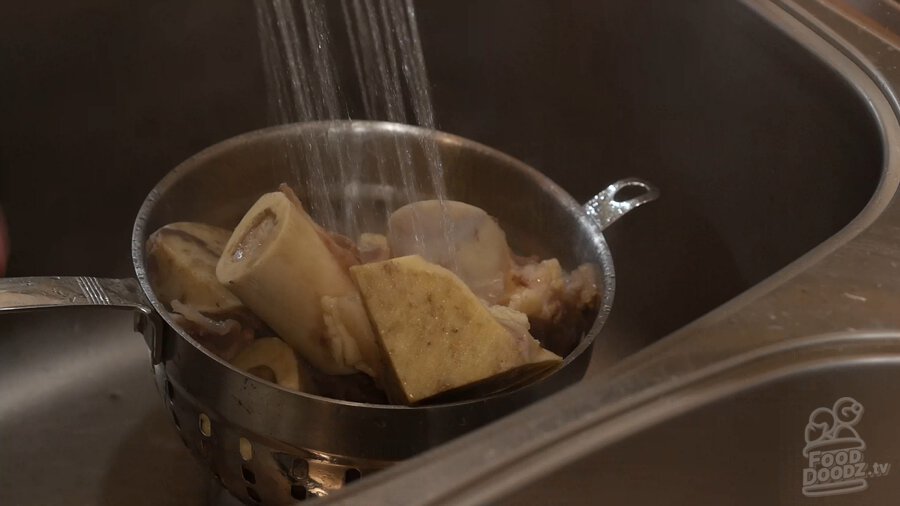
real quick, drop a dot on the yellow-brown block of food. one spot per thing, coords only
(436, 335)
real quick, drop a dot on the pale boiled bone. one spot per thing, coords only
(474, 246)
(277, 263)
(182, 258)
(274, 354)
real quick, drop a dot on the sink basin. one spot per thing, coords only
(763, 151)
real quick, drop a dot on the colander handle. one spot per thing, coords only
(606, 208)
(21, 294)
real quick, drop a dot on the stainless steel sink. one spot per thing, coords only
(761, 149)
(769, 127)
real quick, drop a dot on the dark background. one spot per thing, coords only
(760, 152)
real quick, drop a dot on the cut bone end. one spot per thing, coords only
(255, 237)
(252, 238)
(278, 264)
(271, 359)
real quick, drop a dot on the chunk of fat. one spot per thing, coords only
(350, 333)
(544, 291)
(225, 338)
(373, 248)
(538, 289)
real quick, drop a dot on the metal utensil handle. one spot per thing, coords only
(19, 294)
(606, 209)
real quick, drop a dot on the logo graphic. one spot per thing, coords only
(836, 452)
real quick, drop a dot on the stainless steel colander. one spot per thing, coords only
(269, 445)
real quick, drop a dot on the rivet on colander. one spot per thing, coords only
(245, 448)
(205, 425)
